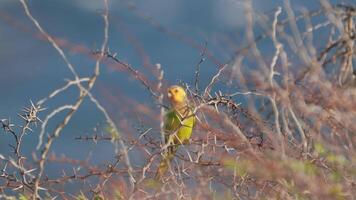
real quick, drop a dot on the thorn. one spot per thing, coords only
(41, 188)
(24, 118)
(30, 170)
(17, 188)
(29, 129)
(33, 106)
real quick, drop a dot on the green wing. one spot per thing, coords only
(180, 126)
(178, 130)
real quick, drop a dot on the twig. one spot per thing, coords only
(197, 68)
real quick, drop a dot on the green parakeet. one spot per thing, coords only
(179, 123)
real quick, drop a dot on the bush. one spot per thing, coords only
(287, 132)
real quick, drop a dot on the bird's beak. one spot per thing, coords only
(169, 95)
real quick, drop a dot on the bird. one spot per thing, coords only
(178, 126)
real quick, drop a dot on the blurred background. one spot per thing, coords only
(142, 33)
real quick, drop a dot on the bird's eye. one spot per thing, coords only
(175, 90)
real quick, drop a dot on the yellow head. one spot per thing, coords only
(176, 95)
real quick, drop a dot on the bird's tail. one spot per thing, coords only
(165, 162)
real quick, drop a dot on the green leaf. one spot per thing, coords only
(81, 197)
(336, 192)
(336, 159)
(98, 197)
(320, 148)
(239, 167)
(22, 197)
(152, 183)
(114, 134)
(303, 167)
